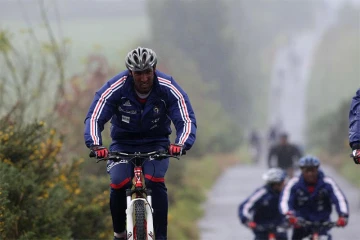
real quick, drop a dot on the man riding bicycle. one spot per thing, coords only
(285, 155)
(261, 207)
(255, 145)
(141, 103)
(354, 127)
(310, 197)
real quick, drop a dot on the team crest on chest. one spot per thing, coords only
(156, 110)
(127, 103)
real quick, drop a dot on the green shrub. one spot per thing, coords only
(40, 196)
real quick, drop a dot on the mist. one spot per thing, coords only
(279, 65)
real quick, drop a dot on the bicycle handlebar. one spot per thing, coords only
(266, 227)
(305, 223)
(271, 227)
(117, 156)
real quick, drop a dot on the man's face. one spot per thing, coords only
(283, 140)
(143, 80)
(310, 174)
(278, 187)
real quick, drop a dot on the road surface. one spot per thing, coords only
(221, 209)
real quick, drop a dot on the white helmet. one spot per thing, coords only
(274, 175)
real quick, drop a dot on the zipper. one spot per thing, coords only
(141, 117)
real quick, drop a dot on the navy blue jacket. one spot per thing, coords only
(133, 124)
(261, 207)
(316, 206)
(354, 119)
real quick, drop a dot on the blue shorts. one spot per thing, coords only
(122, 172)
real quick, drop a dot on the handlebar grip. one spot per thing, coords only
(92, 154)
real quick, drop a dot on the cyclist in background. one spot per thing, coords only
(354, 127)
(255, 145)
(285, 155)
(310, 197)
(261, 207)
(141, 103)
(273, 135)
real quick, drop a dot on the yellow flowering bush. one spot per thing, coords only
(40, 196)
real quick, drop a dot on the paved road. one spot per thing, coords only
(221, 222)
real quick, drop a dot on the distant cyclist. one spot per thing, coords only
(262, 206)
(310, 197)
(273, 135)
(285, 155)
(255, 145)
(354, 126)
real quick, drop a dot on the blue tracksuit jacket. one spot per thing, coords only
(314, 206)
(354, 119)
(261, 207)
(134, 125)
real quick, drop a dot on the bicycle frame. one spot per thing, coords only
(271, 236)
(141, 193)
(316, 227)
(271, 230)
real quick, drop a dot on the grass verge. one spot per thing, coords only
(199, 175)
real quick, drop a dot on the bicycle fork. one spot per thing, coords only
(130, 209)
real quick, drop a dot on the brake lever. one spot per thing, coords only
(92, 154)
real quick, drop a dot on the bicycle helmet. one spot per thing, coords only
(309, 161)
(274, 175)
(140, 59)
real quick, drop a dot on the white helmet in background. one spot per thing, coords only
(274, 175)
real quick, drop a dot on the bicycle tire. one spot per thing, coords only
(140, 220)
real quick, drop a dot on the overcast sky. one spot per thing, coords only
(70, 9)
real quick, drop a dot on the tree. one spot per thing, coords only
(201, 32)
(335, 75)
(33, 74)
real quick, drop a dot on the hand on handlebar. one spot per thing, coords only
(251, 224)
(292, 219)
(356, 156)
(175, 149)
(341, 222)
(99, 151)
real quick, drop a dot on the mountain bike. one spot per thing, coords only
(316, 227)
(139, 211)
(271, 230)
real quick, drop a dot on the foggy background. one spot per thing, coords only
(289, 65)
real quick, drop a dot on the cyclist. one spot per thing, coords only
(354, 127)
(273, 135)
(255, 145)
(285, 154)
(310, 197)
(261, 207)
(141, 103)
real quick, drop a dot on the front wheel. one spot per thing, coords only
(140, 221)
